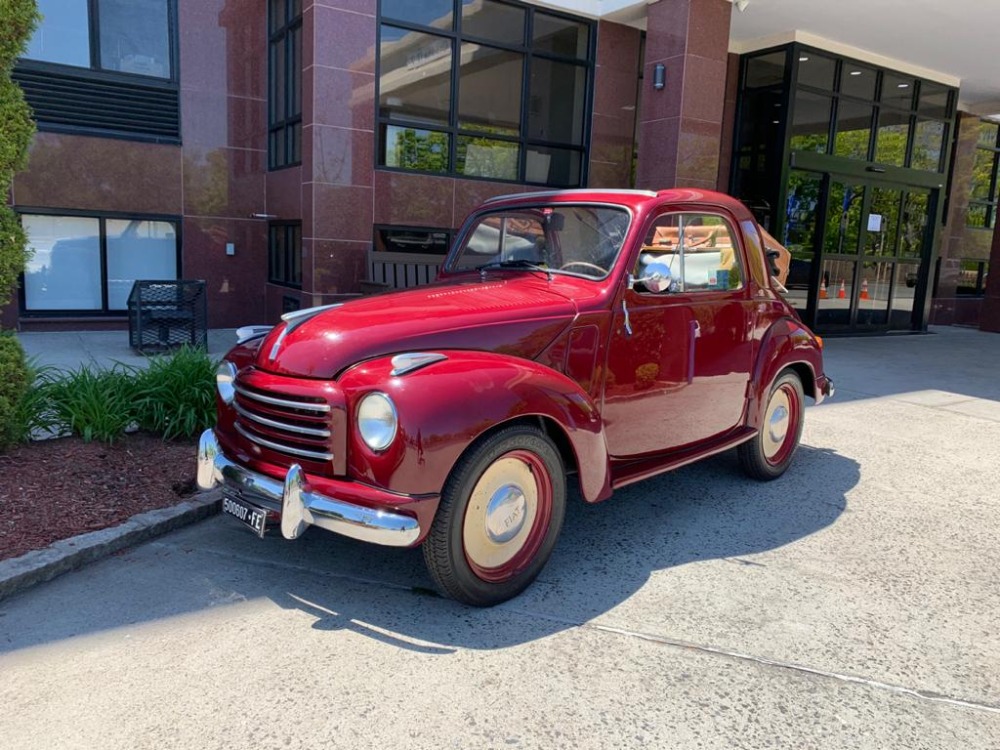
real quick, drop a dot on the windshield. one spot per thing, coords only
(577, 240)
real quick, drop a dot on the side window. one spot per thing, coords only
(700, 250)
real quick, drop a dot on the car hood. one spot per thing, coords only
(517, 315)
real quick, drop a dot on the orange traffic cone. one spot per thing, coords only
(822, 289)
(842, 292)
(864, 289)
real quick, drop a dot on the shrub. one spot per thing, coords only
(14, 379)
(95, 404)
(175, 396)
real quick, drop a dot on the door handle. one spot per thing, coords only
(628, 323)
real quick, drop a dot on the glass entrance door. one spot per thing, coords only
(860, 251)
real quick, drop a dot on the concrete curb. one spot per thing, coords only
(38, 566)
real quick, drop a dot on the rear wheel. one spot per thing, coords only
(500, 514)
(770, 452)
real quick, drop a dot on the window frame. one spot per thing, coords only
(456, 37)
(288, 229)
(102, 218)
(284, 128)
(94, 34)
(991, 205)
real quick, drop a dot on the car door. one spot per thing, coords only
(679, 359)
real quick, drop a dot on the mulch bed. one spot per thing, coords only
(54, 489)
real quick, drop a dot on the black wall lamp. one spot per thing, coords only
(659, 76)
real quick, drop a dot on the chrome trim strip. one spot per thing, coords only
(313, 431)
(322, 408)
(249, 333)
(410, 361)
(301, 506)
(568, 191)
(315, 455)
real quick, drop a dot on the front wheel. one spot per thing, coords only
(770, 452)
(500, 514)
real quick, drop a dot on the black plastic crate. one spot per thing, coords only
(164, 315)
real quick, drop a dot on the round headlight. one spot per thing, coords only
(225, 381)
(377, 421)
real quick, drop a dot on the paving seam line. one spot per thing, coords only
(20, 573)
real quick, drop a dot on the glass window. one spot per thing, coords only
(935, 100)
(131, 36)
(914, 227)
(415, 76)
(63, 36)
(897, 91)
(883, 221)
(893, 133)
(904, 292)
(859, 81)
(514, 113)
(498, 22)
(699, 250)
(411, 148)
(134, 36)
(412, 241)
(843, 224)
(560, 36)
(873, 295)
(285, 84)
(972, 278)
(284, 254)
(988, 134)
(766, 70)
(435, 13)
(811, 122)
(482, 157)
(489, 90)
(985, 193)
(579, 240)
(138, 249)
(65, 274)
(854, 129)
(816, 71)
(835, 293)
(557, 96)
(928, 142)
(804, 190)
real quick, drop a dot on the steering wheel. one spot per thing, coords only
(585, 264)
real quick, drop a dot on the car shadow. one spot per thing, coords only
(606, 553)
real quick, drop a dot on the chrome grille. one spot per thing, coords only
(293, 425)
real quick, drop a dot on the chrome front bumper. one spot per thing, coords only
(300, 506)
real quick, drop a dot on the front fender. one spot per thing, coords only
(787, 343)
(445, 406)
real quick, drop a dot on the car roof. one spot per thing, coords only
(634, 199)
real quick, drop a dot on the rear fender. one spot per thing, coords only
(787, 343)
(445, 406)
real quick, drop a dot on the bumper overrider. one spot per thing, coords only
(299, 505)
(824, 388)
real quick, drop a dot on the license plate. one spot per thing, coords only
(250, 514)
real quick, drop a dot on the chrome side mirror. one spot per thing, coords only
(656, 280)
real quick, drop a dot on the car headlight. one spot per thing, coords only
(225, 381)
(377, 421)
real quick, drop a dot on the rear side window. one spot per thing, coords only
(700, 250)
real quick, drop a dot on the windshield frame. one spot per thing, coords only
(473, 221)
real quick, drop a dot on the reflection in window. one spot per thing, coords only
(928, 140)
(416, 241)
(836, 292)
(412, 148)
(799, 237)
(128, 36)
(816, 71)
(913, 231)
(854, 129)
(414, 76)
(972, 278)
(134, 36)
(904, 291)
(65, 272)
(873, 294)
(893, 132)
(897, 91)
(857, 80)
(766, 70)
(495, 21)
(489, 90)
(985, 194)
(284, 97)
(482, 157)
(515, 113)
(811, 122)
(138, 249)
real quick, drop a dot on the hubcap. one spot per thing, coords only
(778, 423)
(507, 516)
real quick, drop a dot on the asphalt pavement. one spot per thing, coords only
(851, 604)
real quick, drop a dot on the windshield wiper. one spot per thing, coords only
(527, 264)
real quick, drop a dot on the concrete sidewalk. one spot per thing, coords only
(68, 350)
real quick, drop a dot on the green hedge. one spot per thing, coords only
(14, 379)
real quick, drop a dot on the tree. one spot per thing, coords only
(17, 22)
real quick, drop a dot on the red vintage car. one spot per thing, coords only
(593, 336)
